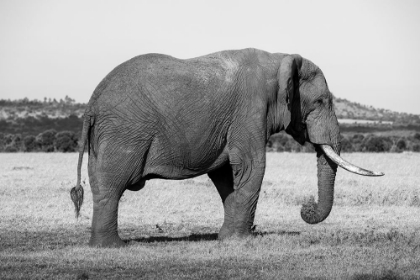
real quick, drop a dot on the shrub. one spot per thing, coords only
(346, 145)
(30, 144)
(376, 144)
(66, 141)
(18, 142)
(269, 144)
(402, 145)
(280, 142)
(10, 143)
(277, 147)
(416, 148)
(10, 149)
(292, 146)
(357, 138)
(394, 149)
(8, 139)
(308, 148)
(46, 140)
(2, 141)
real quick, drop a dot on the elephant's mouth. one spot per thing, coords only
(329, 152)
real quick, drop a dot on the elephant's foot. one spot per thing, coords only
(107, 241)
(226, 233)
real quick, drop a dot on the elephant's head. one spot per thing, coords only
(308, 116)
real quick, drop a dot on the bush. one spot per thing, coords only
(10, 143)
(376, 144)
(346, 145)
(30, 144)
(401, 144)
(46, 140)
(2, 141)
(10, 149)
(416, 148)
(357, 138)
(282, 142)
(292, 146)
(66, 141)
(18, 142)
(394, 149)
(8, 139)
(308, 148)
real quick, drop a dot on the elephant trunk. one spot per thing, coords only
(328, 161)
(313, 212)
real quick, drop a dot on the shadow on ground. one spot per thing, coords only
(59, 238)
(193, 237)
(282, 232)
(386, 275)
(34, 240)
(196, 237)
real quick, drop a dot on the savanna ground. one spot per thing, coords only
(373, 231)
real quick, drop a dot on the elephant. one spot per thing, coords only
(156, 116)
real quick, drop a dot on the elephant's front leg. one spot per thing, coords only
(223, 180)
(247, 179)
(239, 184)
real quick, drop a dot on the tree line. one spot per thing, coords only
(47, 141)
(351, 143)
(67, 141)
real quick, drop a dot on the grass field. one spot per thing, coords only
(372, 232)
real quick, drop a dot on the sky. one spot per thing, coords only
(369, 51)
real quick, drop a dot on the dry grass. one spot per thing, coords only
(372, 233)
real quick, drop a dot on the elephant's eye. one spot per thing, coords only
(318, 102)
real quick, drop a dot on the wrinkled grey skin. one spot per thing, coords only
(157, 116)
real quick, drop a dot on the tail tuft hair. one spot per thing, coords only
(76, 195)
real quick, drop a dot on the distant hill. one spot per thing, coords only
(345, 109)
(31, 117)
(24, 108)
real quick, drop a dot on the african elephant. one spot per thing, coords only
(156, 116)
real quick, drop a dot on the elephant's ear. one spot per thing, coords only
(288, 81)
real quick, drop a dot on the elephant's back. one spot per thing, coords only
(154, 93)
(161, 72)
(128, 73)
(164, 82)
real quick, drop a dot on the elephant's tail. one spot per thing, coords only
(77, 192)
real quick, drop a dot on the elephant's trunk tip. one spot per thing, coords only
(76, 194)
(309, 212)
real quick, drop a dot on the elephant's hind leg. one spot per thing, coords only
(105, 207)
(104, 223)
(109, 176)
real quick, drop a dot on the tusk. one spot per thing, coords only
(347, 165)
